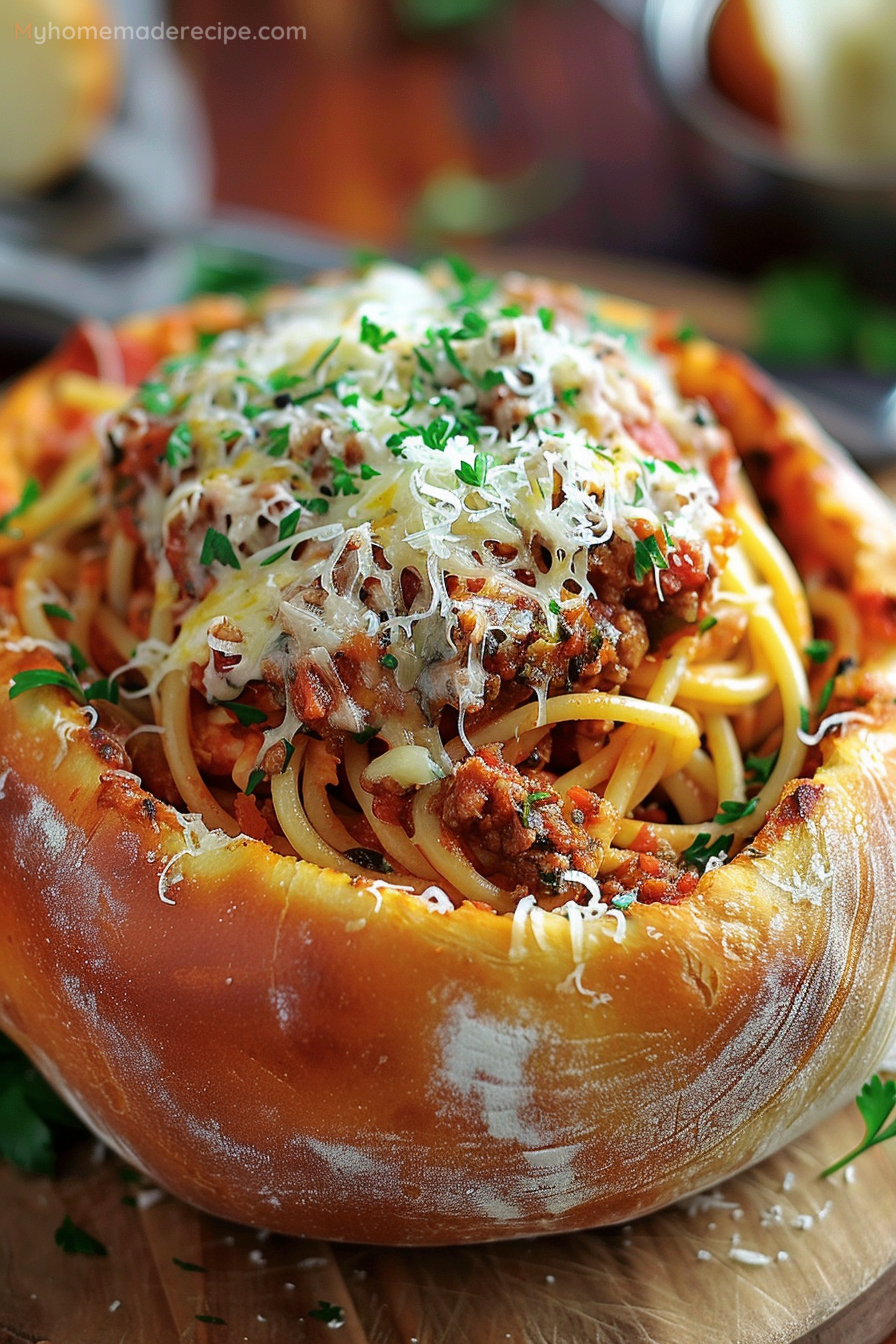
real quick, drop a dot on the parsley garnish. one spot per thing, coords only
(512, 310)
(472, 325)
(761, 767)
(32, 1117)
(827, 691)
(344, 480)
(475, 473)
(648, 556)
(278, 441)
(492, 378)
(570, 395)
(253, 781)
(365, 735)
(389, 660)
(188, 1266)
(351, 399)
(274, 557)
(529, 802)
(686, 332)
(217, 547)
(244, 714)
(30, 495)
(804, 718)
(179, 446)
(103, 689)
(157, 398)
(328, 1312)
(211, 1320)
(639, 493)
(51, 609)
(289, 522)
(875, 1102)
(445, 338)
(706, 624)
(290, 751)
(436, 434)
(281, 380)
(819, 650)
(78, 661)
(325, 355)
(75, 1241)
(373, 335)
(316, 505)
(546, 318)
(731, 810)
(705, 848)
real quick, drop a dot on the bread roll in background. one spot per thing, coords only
(57, 93)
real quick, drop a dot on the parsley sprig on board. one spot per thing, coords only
(33, 1120)
(876, 1102)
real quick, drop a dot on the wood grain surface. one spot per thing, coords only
(829, 1276)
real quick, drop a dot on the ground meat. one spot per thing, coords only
(523, 822)
(650, 879)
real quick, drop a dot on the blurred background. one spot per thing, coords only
(733, 158)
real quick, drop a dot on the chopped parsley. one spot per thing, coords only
(289, 522)
(365, 735)
(875, 1102)
(389, 660)
(210, 1320)
(325, 354)
(827, 691)
(804, 719)
(472, 325)
(705, 848)
(188, 1266)
(344, 480)
(445, 338)
(34, 677)
(30, 495)
(289, 750)
(529, 802)
(761, 767)
(75, 1241)
(546, 318)
(819, 650)
(511, 310)
(60, 613)
(217, 547)
(492, 378)
(247, 715)
(648, 557)
(373, 335)
(179, 446)
(436, 434)
(278, 441)
(707, 624)
(328, 1312)
(475, 473)
(33, 1120)
(731, 810)
(252, 783)
(570, 395)
(157, 398)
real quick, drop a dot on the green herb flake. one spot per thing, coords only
(707, 623)
(638, 497)
(30, 495)
(819, 650)
(827, 691)
(247, 715)
(731, 810)
(450, 354)
(686, 332)
(290, 751)
(156, 398)
(804, 719)
(59, 613)
(217, 547)
(278, 441)
(648, 556)
(705, 848)
(351, 399)
(761, 767)
(472, 325)
(389, 660)
(75, 1241)
(570, 395)
(210, 1320)
(875, 1102)
(325, 354)
(274, 557)
(476, 473)
(252, 783)
(492, 378)
(511, 310)
(529, 802)
(365, 735)
(328, 1312)
(373, 335)
(188, 1266)
(35, 677)
(546, 318)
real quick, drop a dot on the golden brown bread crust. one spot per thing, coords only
(316, 1054)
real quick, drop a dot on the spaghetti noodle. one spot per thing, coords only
(418, 577)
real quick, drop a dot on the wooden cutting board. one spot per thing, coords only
(828, 1273)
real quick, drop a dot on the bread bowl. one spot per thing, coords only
(512, 1012)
